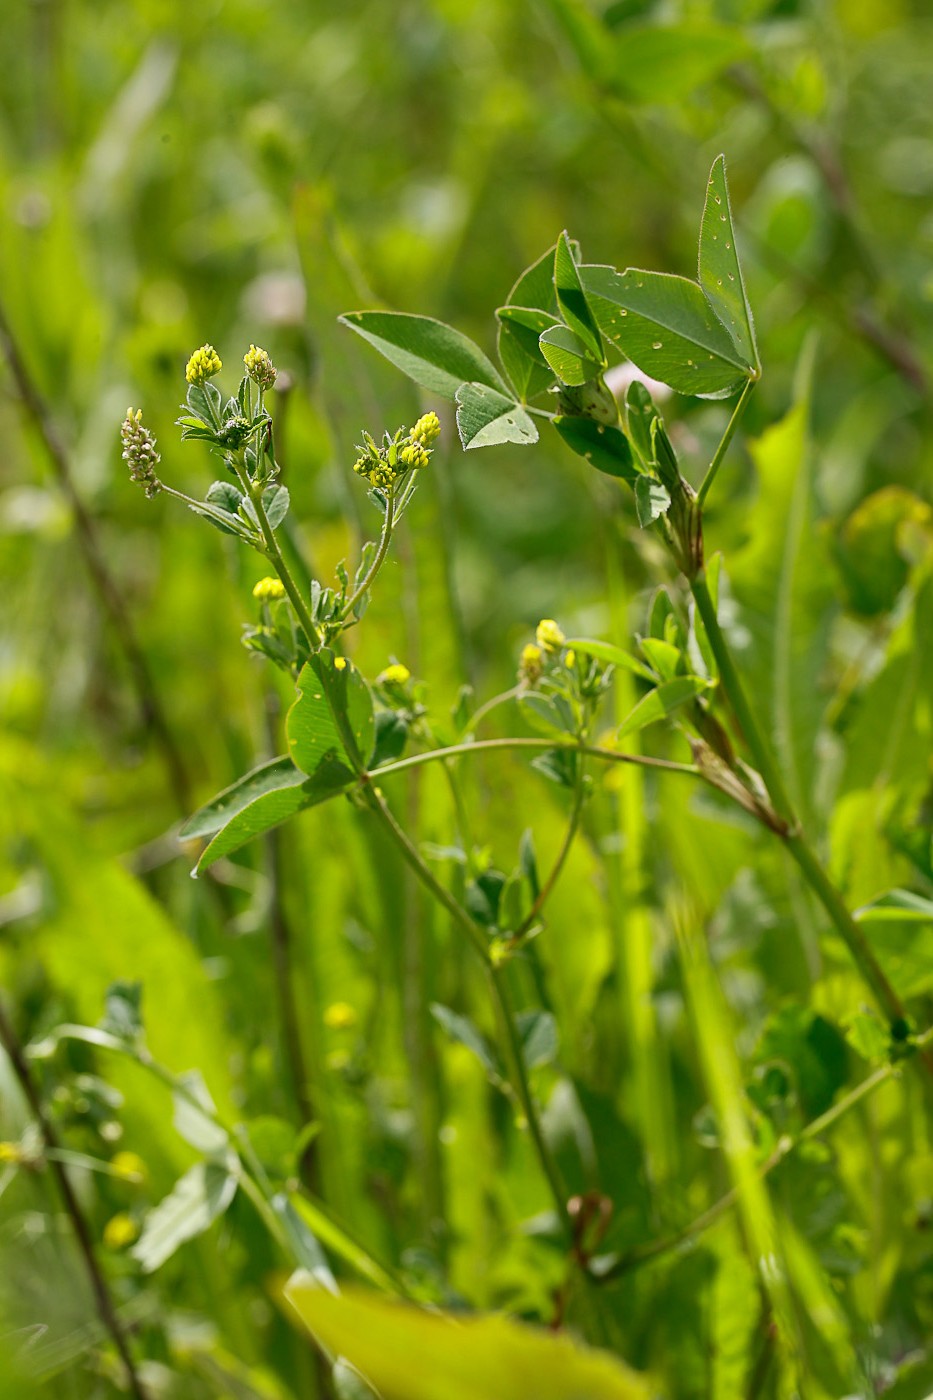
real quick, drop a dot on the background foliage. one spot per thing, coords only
(240, 172)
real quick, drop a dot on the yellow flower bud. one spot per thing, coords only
(120, 1231)
(268, 590)
(10, 1152)
(549, 636)
(340, 663)
(340, 1016)
(129, 1166)
(427, 429)
(203, 365)
(394, 675)
(530, 665)
(414, 455)
(259, 367)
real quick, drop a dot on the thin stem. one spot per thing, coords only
(501, 1000)
(560, 861)
(727, 437)
(484, 745)
(275, 554)
(792, 835)
(642, 1254)
(105, 1305)
(487, 707)
(383, 549)
(105, 585)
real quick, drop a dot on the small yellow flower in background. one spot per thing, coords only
(259, 367)
(530, 664)
(427, 429)
(203, 365)
(10, 1152)
(549, 636)
(340, 663)
(129, 1166)
(120, 1231)
(570, 660)
(395, 674)
(267, 590)
(414, 455)
(340, 1016)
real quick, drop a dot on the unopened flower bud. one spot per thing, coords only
(396, 674)
(203, 365)
(530, 666)
(427, 429)
(139, 452)
(549, 636)
(414, 455)
(259, 367)
(269, 590)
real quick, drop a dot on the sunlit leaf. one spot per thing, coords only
(435, 356)
(485, 417)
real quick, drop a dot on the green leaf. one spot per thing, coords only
(651, 500)
(660, 703)
(275, 502)
(568, 355)
(548, 714)
(461, 1029)
(332, 719)
(435, 356)
(410, 1354)
(640, 414)
(275, 807)
(571, 298)
(194, 1111)
(666, 62)
(605, 651)
(900, 905)
(604, 447)
(666, 326)
(304, 1244)
(663, 657)
(391, 736)
(720, 273)
(278, 773)
(485, 417)
(537, 1031)
(519, 330)
(123, 1011)
(204, 400)
(193, 1204)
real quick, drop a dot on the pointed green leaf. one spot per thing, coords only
(568, 355)
(571, 298)
(660, 703)
(666, 326)
(461, 1029)
(485, 417)
(535, 288)
(193, 1204)
(651, 500)
(519, 329)
(615, 656)
(902, 905)
(332, 719)
(435, 356)
(539, 1036)
(605, 448)
(412, 1354)
(194, 1114)
(720, 273)
(275, 807)
(268, 777)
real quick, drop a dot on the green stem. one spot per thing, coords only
(103, 1299)
(484, 745)
(560, 861)
(792, 835)
(302, 611)
(383, 549)
(727, 437)
(500, 995)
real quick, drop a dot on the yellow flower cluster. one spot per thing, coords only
(427, 429)
(396, 674)
(120, 1231)
(203, 365)
(259, 367)
(530, 666)
(340, 1016)
(269, 590)
(549, 636)
(407, 451)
